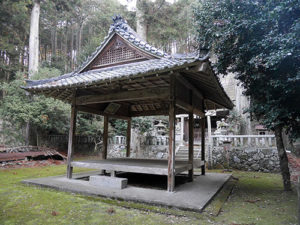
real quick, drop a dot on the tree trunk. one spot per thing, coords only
(77, 41)
(284, 166)
(33, 52)
(34, 39)
(79, 38)
(72, 47)
(45, 52)
(66, 48)
(141, 26)
(22, 59)
(53, 41)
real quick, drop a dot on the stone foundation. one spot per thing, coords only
(247, 158)
(149, 152)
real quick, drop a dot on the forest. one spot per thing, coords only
(69, 31)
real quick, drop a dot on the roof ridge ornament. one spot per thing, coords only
(120, 24)
(118, 21)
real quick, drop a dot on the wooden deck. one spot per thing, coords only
(146, 166)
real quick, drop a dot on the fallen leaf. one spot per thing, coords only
(110, 210)
(54, 213)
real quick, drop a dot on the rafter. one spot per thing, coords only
(188, 85)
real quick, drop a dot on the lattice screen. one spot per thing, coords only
(119, 52)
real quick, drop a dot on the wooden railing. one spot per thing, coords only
(119, 140)
(64, 139)
(244, 140)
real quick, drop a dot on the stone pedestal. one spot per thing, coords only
(108, 182)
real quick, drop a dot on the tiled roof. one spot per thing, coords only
(110, 73)
(161, 63)
(121, 28)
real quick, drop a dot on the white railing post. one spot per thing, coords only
(235, 142)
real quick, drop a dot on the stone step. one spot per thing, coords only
(183, 152)
(108, 182)
(195, 150)
(179, 153)
(186, 148)
(186, 153)
(186, 157)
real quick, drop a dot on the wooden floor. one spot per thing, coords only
(146, 166)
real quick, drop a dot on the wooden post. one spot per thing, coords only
(210, 141)
(191, 145)
(128, 137)
(203, 145)
(105, 137)
(298, 190)
(71, 138)
(181, 130)
(172, 117)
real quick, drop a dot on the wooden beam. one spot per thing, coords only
(143, 94)
(105, 137)
(201, 67)
(189, 108)
(188, 85)
(128, 138)
(172, 119)
(149, 113)
(99, 112)
(191, 145)
(71, 138)
(203, 144)
(144, 166)
(185, 106)
(198, 112)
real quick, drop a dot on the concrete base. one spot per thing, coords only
(108, 182)
(189, 196)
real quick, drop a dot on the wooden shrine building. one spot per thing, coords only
(126, 77)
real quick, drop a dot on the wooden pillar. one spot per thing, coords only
(298, 190)
(128, 138)
(71, 138)
(105, 137)
(172, 118)
(210, 142)
(182, 130)
(191, 145)
(203, 145)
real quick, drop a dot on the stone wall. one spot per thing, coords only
(247, 158)
(148, 152)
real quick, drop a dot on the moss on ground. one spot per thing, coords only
(257, 198)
